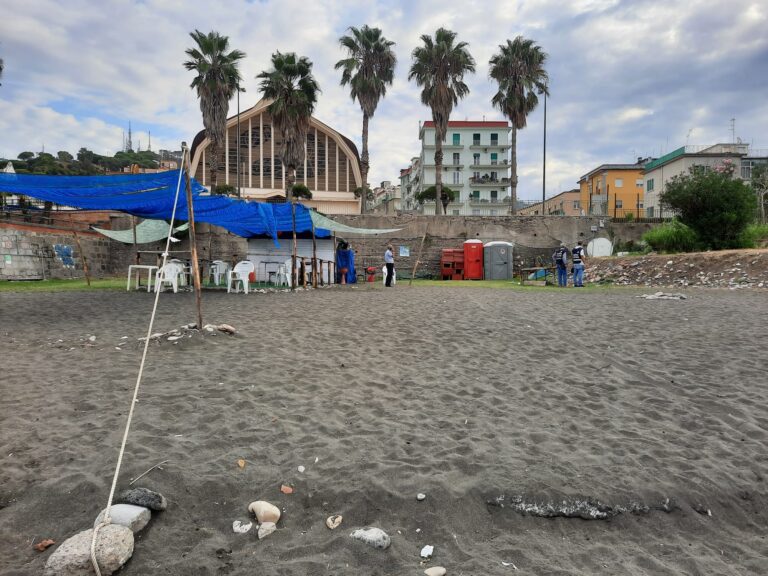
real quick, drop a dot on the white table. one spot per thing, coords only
(151, 270)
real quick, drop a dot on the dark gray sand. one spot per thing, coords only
(464, 394)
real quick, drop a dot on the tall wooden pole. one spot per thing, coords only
(192, 238)
(82, 254)
(294, 275)
(314, 257)
(416, 264)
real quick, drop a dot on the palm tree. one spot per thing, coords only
(370, 66)
(439, 67)
(216, 82)
(293, 91)
(1, 68)
(519, 70)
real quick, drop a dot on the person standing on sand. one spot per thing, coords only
(578, 265)
(389, 261)
(560, 256)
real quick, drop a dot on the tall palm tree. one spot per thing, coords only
(439, 67)
(293, 91)
(369, 67)
(518, 69)
(216, 82)
(2, 65)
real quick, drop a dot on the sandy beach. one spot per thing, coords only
(485, 400)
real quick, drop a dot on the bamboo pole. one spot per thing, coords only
(314, 257)
(192, 237)
(294, 275)
(416, 264)
(82, 254)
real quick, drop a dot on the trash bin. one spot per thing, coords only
(370, 274)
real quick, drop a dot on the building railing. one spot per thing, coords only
(489, 181)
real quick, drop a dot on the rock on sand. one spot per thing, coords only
(114, 546)
(375, 537)
(266, 529)
(128, 515)
(264, 511)
(435, 571)
(143, 497)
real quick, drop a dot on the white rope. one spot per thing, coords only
(107, 519)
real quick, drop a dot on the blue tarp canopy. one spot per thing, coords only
(152, 196)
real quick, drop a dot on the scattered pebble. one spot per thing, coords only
(427, 551)
(92, 338)
(285, 489)
(435, 571)
(264, 511)
(334, 521)
(44, 544)
(143, 497)
(301, 469)
(375, 537)
(128, 515)
(239, 527)
(266, 528)
(420, 496)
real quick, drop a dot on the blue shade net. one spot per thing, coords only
(152, 196)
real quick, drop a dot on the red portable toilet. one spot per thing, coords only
(473, 260)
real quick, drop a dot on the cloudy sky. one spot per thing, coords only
(629, 78)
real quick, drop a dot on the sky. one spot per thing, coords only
(628, 78)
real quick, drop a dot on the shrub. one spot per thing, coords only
(300, 191)
(224, 190)
(672, 237)
(754, 235)
(714, 205)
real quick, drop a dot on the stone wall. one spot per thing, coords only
(535, 237)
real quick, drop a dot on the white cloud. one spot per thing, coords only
(627, 79)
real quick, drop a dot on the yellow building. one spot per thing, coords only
(614, 190)
(566, 203)
(331, 166)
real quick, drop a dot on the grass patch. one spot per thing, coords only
(672, 237)
(66, 285)
(754, 235)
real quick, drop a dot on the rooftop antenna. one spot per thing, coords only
(688, 136)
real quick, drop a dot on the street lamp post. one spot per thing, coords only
(544, 168)
(238, 139)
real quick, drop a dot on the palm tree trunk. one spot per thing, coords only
(513, 164)
(364, 164)
(213, 163)
(290, 178)
(438, 173)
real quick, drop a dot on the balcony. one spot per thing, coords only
(494, 182)
(503, 164)
(495, 146)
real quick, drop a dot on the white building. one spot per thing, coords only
(475, 164)
(387, 198)
(409, 185)
(657, 173)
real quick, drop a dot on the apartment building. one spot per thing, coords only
(613, 190)
(566, 203)
(475, 164)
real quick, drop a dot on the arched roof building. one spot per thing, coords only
(331, 167)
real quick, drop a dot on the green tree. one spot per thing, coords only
(717, 207)
(759, 183)
(518, 68)
(431, 193)
(2, 67)
(64, 156)
(301, 191)
(439, 67)
(368, 69)
(293, 91)
(26, 156)
(216, 82)
(85, 156)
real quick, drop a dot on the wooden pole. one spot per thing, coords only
(135, 246)
(314, 257)
(82, 254)
(416, 264)
(192, 238)
(294, 276)
(335, 262)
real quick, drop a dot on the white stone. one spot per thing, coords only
(114, 546)
(334, 521)
(420, 496)
(226, 328)
(264, 511)
(92, 338)
(427, 551)
(265, 529)
(435, 571)
(239, 527)
(375, 537)
(128, 515)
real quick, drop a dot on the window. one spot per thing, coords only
(493, 212)
(639, 204)
(475, 139)
(494, 139)
(456, 158)
(649, 212)
(475, 212)
(494, 176)
(475, 196)
(476, 175)
(456, 177)
(639, 182)
(476, 159)
(649, 185)
(494, 158)
(455, 212)
(619, 183)
(494, 196)
(457, 139)
(619, 203)
(577, 204)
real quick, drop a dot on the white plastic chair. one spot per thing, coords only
(281, 277)
(219, 270)
(169, 274)
(240, 274)
(384, 278)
